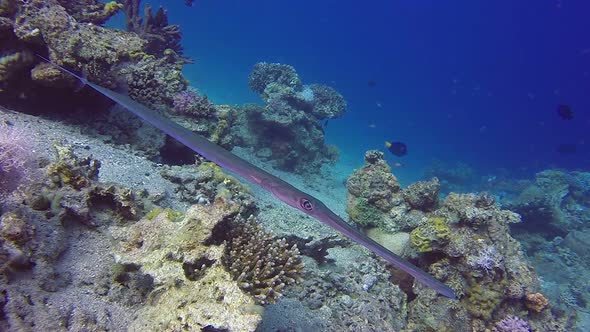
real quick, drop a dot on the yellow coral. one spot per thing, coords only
(419, 241)
(435, 230)
(112, 7)
(171, 215)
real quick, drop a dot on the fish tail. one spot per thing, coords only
(387, 144)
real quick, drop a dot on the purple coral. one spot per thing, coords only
(488, 259)
(512, 324)
(189, 102)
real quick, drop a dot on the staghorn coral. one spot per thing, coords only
(262, 265)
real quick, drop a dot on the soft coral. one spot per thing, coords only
(16, 156)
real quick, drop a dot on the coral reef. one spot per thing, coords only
(511, 324)
(154, 28)
(464, 241)
(555, 210)
(372, 191)
(41, 229)
(91, 11)
(422, 195)
(189, 102)
(353, 288)
(555, 204)
(287, 129)
(70, 34)
(206, 183)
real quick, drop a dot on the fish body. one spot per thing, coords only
(565, 112)
(397, 148)
(281, 189)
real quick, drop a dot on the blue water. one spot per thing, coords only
(470, 81)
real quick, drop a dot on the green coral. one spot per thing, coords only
(171, 214)
(365, 214)
(111, 8)
(436, 230)
(482, 300)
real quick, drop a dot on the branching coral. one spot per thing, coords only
(487, 259)
(154, 28)
(261, 264)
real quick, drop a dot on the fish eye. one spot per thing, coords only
(306, 204)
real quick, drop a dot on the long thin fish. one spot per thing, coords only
(279, 188)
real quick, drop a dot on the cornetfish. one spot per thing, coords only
(279, 188)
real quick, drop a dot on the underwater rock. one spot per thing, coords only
(289, 123)
(371, 192)
(422, 195)
(186, 267)
(294, 138)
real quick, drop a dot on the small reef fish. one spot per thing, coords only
(281, 189)
(397, 148)
(372, 83)
(398, 165)
(565, 112)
